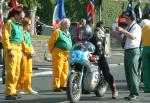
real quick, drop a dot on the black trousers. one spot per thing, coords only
(103, 64)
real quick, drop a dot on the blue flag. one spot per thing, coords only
(59, 13)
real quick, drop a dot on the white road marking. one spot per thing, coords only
(42, 73)
(49, 72)
(38, 74)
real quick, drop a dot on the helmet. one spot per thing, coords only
(86, 32)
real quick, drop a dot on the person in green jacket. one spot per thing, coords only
(12, 39)
(59, 45)
(24, 82)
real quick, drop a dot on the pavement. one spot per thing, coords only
(116, 56)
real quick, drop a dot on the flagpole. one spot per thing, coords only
(100, 11)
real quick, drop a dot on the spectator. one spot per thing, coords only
(132, 53)
(59, 45)
(145, 57)
(6, 10)
(24, 81)
(12, 39)
(145, 45)
(80, 25)
(100, 25)
(145, 20)
(122, 21)
(83, 30)
(38, 26)
(99, 40)
(14, 5)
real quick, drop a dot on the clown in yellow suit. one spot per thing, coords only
(12, 39)
(24, 82)
(59, 45)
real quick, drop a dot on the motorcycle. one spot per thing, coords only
(85, 75)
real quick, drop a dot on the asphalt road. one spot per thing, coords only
(42, 83)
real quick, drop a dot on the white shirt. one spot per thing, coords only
(144, 22)
(133, 43)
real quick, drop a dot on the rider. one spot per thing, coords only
(98, 39)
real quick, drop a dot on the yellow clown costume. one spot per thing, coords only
(12, 39)
(24, 81)
(59, 45)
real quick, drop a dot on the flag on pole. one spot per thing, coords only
(90, 10)
(59, 13)
(130, 6)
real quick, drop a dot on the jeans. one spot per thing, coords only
(103, 64)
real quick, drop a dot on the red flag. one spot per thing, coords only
(90, 10)
(59, 13)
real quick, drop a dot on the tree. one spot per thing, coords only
(75, 9)
(29, 4)
(45, 12)
(30, 7)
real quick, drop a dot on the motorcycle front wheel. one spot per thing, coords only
(73, 87)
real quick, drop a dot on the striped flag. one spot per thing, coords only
(59, 13)
(90, 10)
(1, 19)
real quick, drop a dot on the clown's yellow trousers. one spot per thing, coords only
(24, 82)
(12, 68)
(60, 68)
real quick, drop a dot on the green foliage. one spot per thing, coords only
(76, 10)
(46, 11)
(29, 4)
(110, 11)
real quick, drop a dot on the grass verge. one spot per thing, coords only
(39, 37)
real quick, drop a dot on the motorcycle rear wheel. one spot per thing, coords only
(101, 88)
(73, 87)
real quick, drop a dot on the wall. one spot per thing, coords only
(41, 51)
